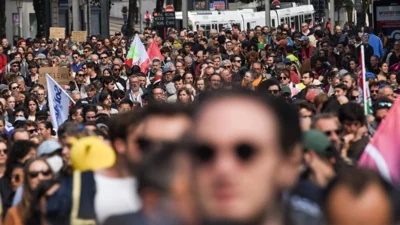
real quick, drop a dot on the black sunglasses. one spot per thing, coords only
(32, 131)
(81, 75)
(203, 153)
(282, 78)
(34, 174)
(5, 151)
(330, 132)
(273, 91)
(146, 145)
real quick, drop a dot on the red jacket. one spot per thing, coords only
(3, 62)
(307, 53)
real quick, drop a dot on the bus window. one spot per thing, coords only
(282, 21)
(292, 22)
(297, 25)
(273, 23)
(308, 18)
(248, 26)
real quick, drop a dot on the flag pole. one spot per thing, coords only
(363, 74)
(61, 88)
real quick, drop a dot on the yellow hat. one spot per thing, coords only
(91, 153)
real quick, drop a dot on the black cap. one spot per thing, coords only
(41, 115)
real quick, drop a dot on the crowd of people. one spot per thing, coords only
(263, 126)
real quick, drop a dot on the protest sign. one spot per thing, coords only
(57, 32)
(80, 36)
(59, 74)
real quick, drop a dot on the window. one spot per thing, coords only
(273, 23)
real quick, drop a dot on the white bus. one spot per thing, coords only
(247, 18)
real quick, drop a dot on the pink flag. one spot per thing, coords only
(383, 151)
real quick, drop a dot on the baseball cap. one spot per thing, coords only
(316, 141)
(18, 120)
(91, 153)
(41, 115)
(48, 147)
(166, 70)
(286, 90)
(316, 82)
(304, 38)
(342, 72)
(287, 61)
(3, 87)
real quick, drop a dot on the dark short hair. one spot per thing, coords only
(351, 112)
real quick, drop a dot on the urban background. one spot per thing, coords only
(31, 18)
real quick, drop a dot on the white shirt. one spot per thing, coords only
(115, 196)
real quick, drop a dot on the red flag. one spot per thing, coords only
(383, 151)
(153, 52)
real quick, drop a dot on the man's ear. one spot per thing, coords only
(119, 146)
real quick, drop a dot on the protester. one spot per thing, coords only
(229, 125)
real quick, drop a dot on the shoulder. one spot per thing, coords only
(126, 219)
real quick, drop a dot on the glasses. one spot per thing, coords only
(227, 67)
(81, 75)
(15, 87)
(4, 151)
(118, 98)
(239, 61)
(204, 154)
(116, 69)
(34, 174)
(284, 34)
(283, 78)
(147, 145)
(330, 132)
(15, 66)
(273, 91)
(85, 51)
(31, 131)
(385, 104)
(103, 57)
(374, 91)
(354, 97)
(75, 57)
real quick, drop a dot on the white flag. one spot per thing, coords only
(58, 102)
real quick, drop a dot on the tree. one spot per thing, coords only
(159, 5)
(130, 26)
(2, 19)
(39, 7)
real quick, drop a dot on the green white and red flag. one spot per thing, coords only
(137, 55)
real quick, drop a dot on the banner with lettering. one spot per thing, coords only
(58, 102)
